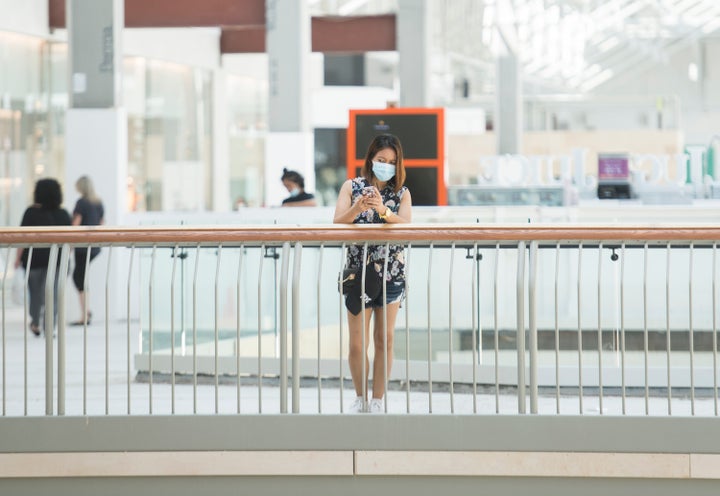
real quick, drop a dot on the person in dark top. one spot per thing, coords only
(295, 184)
(46, 211)
(88, 211)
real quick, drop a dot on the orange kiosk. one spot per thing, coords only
(422, 134)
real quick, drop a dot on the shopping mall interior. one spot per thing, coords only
(540, 100)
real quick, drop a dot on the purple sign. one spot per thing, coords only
(613, 167)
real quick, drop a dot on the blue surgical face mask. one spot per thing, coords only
(383, 171)
(294, 191)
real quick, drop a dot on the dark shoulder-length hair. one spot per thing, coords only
(380, 142)
(293, 176)
(48, 194)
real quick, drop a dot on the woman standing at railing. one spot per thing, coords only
(46, 211)
(378, 196)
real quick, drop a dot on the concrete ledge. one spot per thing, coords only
(410, 433)
(524, 464)
(177, 464)
(557, 465)
(704, 466)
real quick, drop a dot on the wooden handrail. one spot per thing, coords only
(310, 234)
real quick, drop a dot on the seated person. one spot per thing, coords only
(295, 184)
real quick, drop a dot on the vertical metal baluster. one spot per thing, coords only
(297, 266)
(340, 320)
(557, 329)
(151, 287)
(127, 319)
(450, 328)
(668, 341)
(25, 334)
(140, 293)
(579, 329)
(496, 330)
(714, 325)
(532, 325)
(622, 329)
(238, 323)
(364, 317)
(407, 329)
(172, 329)
(429, 324)
(599, 330)
(475, 324)
(217, 331)
(4, 339)
(645, 329)
(714, 338)
(520, 326)
(385, 333)
(194, 324)
(183, 330)
(259, 328)
(283, 327)
(62, 279)
(86, 296)
(50, 328)
(86, 285)
(691, 330)
(319, 340)
(107, 331)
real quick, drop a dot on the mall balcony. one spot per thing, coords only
(558, 331)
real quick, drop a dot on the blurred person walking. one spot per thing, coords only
(45, 211)
(88, 211)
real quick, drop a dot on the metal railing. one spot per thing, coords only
(536, 316)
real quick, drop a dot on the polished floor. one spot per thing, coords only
(89, 392)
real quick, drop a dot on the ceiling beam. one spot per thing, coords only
(243, 24)
(249, 39)
(178, 13)
(357, 34)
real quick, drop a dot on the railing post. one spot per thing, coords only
(64, 260)
(283, 326)
(296, 329)
(520, 311)
(532, 323)
(49, 321)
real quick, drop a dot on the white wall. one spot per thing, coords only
(25, 16)
(198, 47)
(699, 101)
(331, 104)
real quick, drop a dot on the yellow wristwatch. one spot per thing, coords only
(388, 213)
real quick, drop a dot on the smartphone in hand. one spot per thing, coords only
(368, 191)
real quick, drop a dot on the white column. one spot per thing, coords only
(289, 143)
(508, 105)
(96, 125)
(220, 143)
(414, 31)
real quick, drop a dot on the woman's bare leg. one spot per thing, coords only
(379, 363)
(356, 353)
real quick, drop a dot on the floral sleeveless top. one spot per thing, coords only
(396, 259)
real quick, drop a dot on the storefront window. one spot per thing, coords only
(169, 136)
(25, 129)
(247, 117)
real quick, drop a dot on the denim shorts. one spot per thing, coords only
(395, 294)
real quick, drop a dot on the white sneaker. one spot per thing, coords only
(376, 406)
(357, 406)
